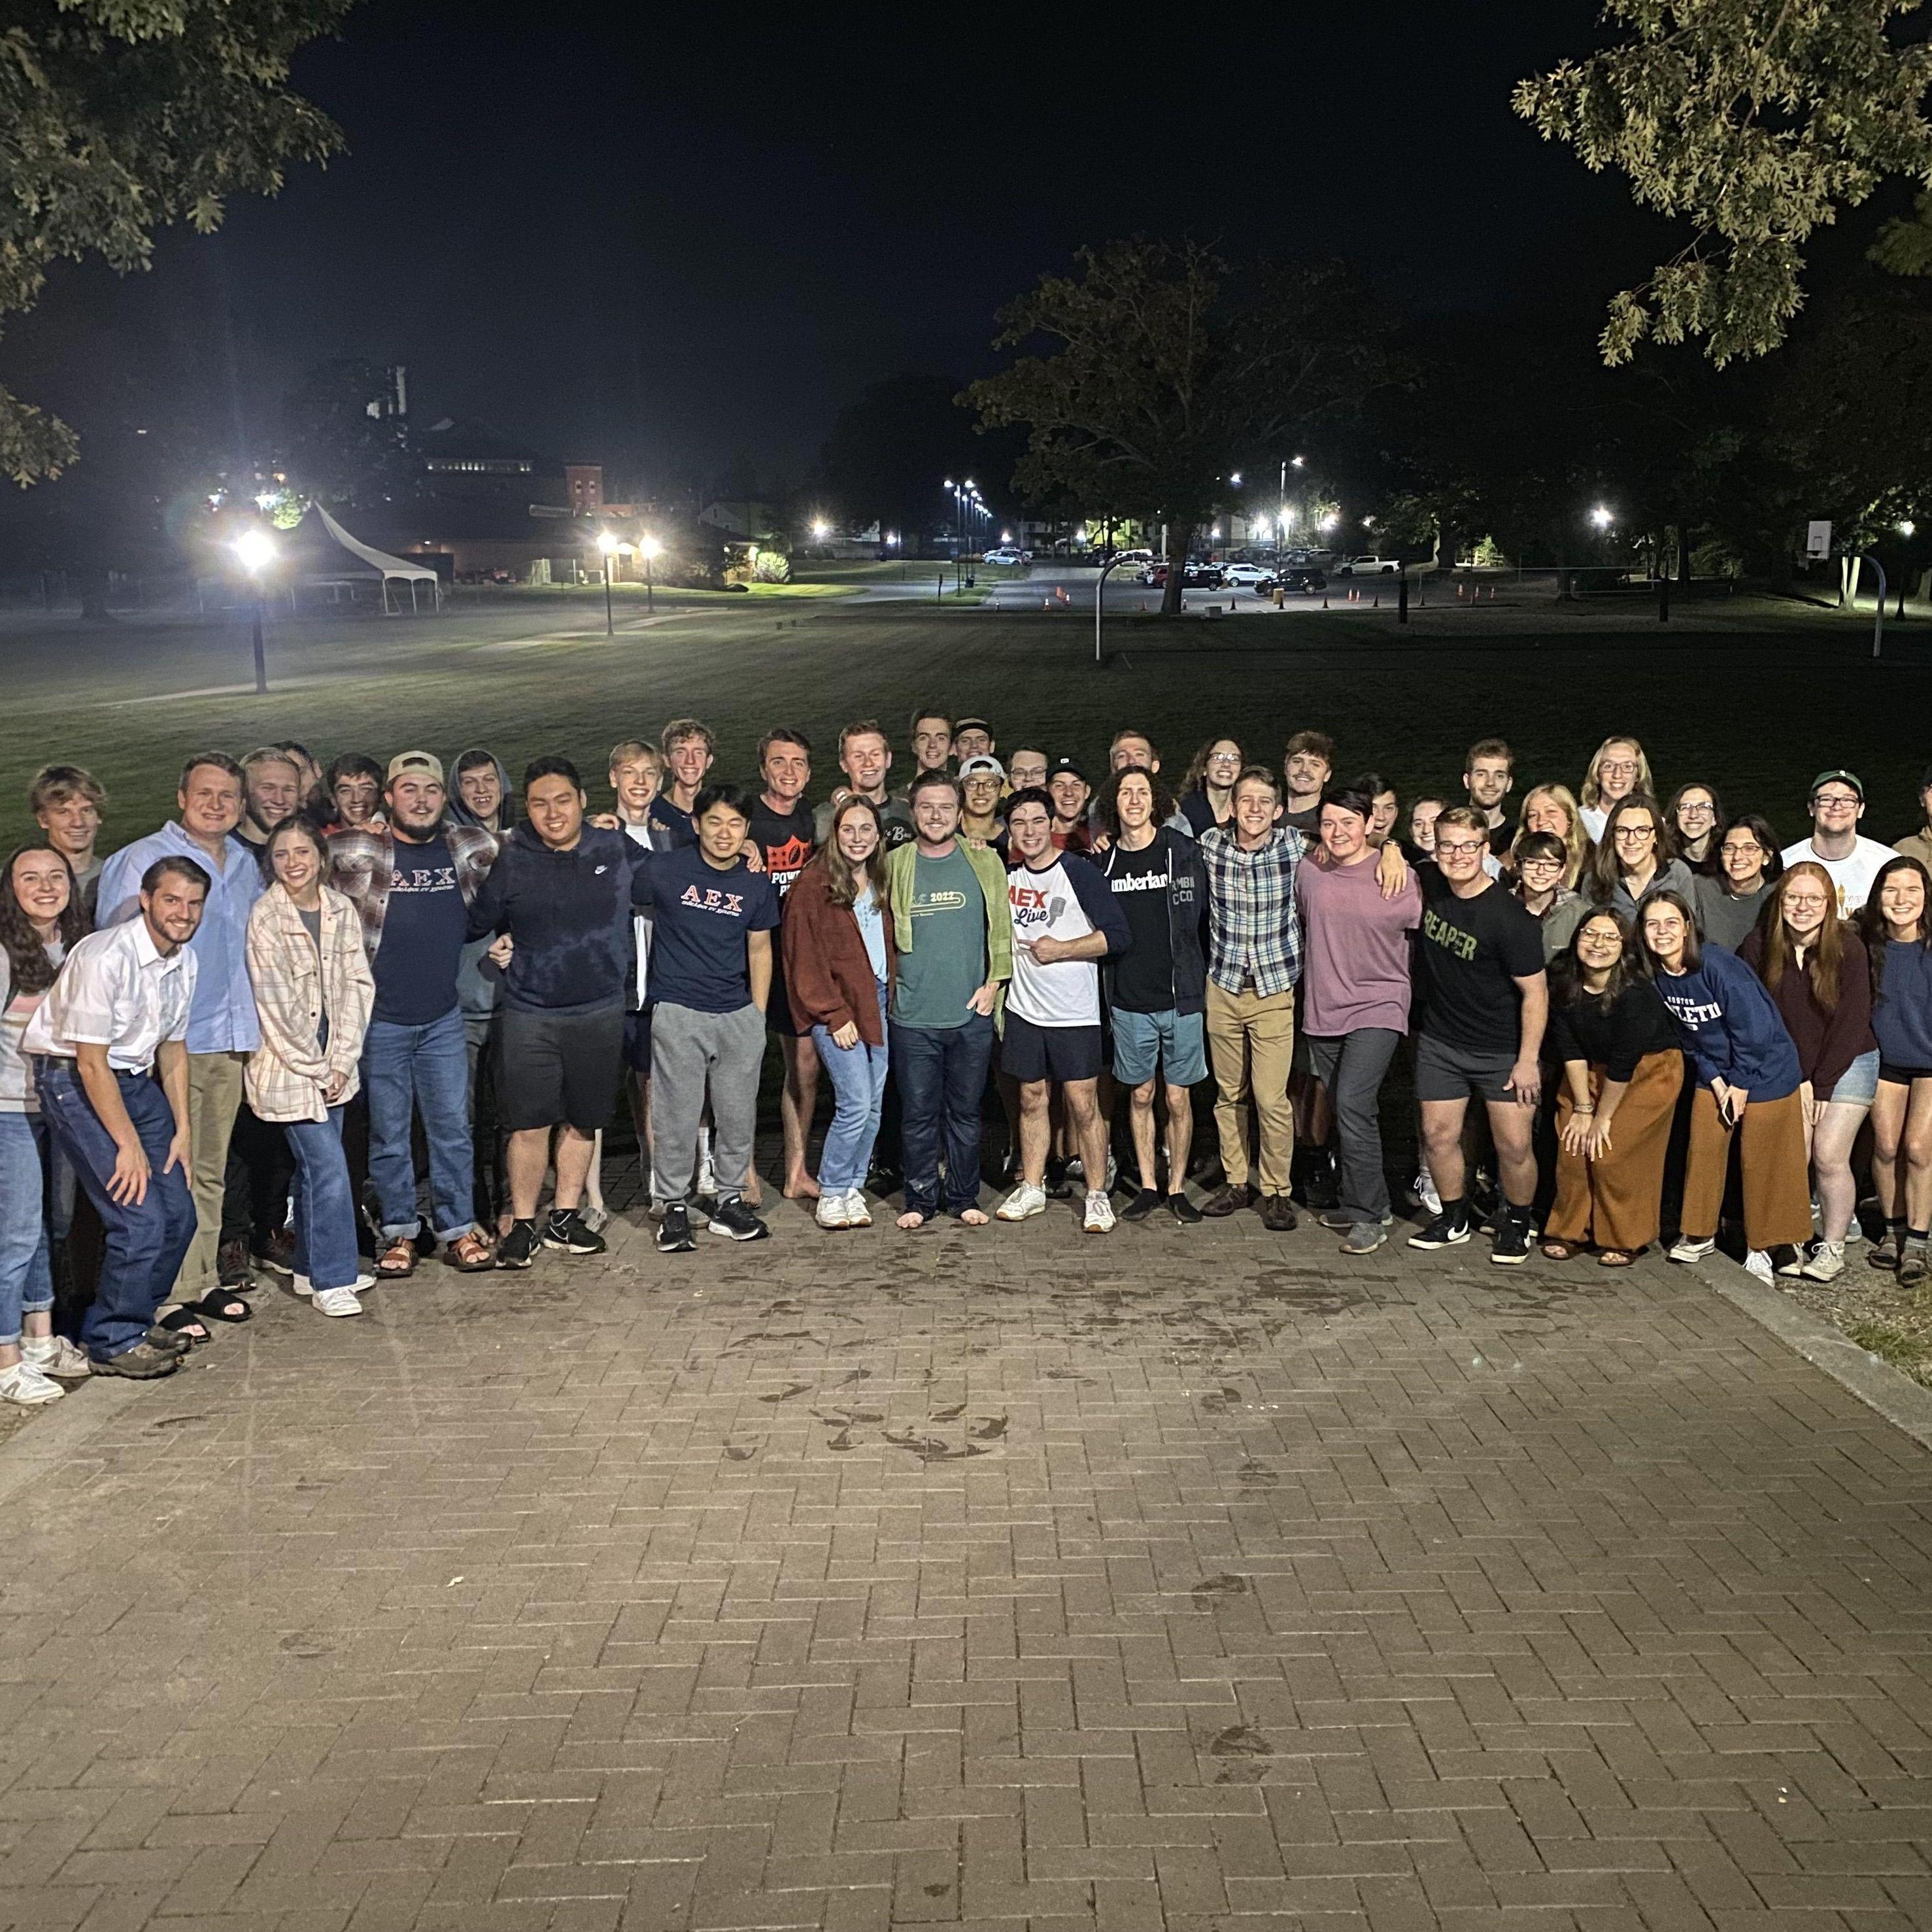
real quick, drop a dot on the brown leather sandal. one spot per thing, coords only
(397, 1261)
(1554, 1248)
(469, 1254)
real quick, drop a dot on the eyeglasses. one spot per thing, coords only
(1617, 768)
(1805, 902)
(1541, 865)
(1689, 809)
(1635, 834)
(1224, 757)
(1461, 849)
(1835, 798)
(1743, 849)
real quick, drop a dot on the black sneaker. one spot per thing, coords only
(1444, 1232)
(169, 1341)
(736, 1222)
(1278, 1214)
(231, 1268)
(1183, 1211)
(1510, 1243)
(518, 1248)
(1058, 1188)
(567, 1232)
(1141, 1206)
(142, 1363)
(674, 1234)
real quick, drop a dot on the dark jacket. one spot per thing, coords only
(1828, 1038)
(363, 862)
(570, 915)
(828, 972)
(1186, 917)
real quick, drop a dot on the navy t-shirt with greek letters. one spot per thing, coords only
(702, 920)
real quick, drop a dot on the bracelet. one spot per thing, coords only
(1576, 1109)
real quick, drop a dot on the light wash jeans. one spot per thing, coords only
(426, 1068)
(26, 1272)
(858, 1074)
(324, 1203)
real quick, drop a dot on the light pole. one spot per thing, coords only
(648, 547)
(607, 544)
(256, 551)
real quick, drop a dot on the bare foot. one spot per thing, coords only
(912, 1221)
(801, 1186)
(973, 1217)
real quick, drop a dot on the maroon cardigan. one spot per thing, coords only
(1827, 1040)
(828, 972)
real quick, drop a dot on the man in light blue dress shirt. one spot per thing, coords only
(222, 1027)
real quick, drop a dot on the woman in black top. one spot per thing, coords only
(1207, 791)
(1622, 1069)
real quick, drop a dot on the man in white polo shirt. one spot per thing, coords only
(1065, 922)
(108, 1047)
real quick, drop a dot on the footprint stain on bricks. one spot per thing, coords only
(1211, 1589)
(935, 1891)
(297, 1643)
(843, 1440)
(786, 1394)
(1247, 1751)
(930, 1448)
(1218, 1401)
(951, 1414)
(989, 1429)
(175, 1421)
(1253, 1475)
(741, 1452)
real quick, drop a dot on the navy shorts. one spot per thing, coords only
(637, 1038)
(1029, 1053)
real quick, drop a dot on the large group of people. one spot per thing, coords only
(328, 1021)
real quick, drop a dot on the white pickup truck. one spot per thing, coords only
(1367, 566)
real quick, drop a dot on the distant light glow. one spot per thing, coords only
(1327, 523)
(1299, 461)
(650, 547)
(255, 550)
(1236, 479)
(606, 542)
(1907, 527)
(1602, 518)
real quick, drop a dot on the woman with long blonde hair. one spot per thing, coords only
(1618, 767)
(1553, 808)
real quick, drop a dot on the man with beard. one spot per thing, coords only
(413, 881)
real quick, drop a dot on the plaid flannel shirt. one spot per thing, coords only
(1254, 936)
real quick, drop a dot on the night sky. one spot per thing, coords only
(657, 238)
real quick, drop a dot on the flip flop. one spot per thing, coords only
(220, 1304)
(183, 1321)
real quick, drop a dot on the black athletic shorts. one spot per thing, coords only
(637, 1038)
(558, 1066)
(1029, 1052)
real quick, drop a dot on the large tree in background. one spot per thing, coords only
(341, 444)
(1755, 121)
(118, 117)
(1166, 369)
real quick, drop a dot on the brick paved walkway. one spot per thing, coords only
(1166, 1580)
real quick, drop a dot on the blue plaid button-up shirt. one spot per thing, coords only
(1254, 936)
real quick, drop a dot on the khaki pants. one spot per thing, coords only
(213, 1099)
(1251, 1046)
(1771, 1170)
(1613, 1201)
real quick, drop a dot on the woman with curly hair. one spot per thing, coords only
(41, 917)
(1207, 791)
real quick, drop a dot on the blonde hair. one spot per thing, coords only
(1593, 793)
(1576, 841)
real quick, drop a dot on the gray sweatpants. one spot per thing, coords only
(692, 1053)
(1351, 1065)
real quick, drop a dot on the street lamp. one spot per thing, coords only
(1602, 517)
(648, 547)
(255, 551)
(607, 544)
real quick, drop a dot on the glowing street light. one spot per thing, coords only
(821, 531)
(1602, 517)
(1905, 527)
(255, 551)
(649, 548)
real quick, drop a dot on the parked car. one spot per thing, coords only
(1368, 566)
(1246, 576)
(1005, 554)
(1299, 578)
(1151, 572)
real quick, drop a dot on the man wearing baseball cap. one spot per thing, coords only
(1071, 790)
(413, 879)
(1837, 803)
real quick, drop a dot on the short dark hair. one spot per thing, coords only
(175, 866)
(551, 766)
(351, 765)
(1489, 747)
(924, 712)
(782, 734)
(734, 798)
(220, 760)
(1256, 774)
(1319, 742)
(1349, 798)
(1037, 795)
(929, 781)
(1540, 845)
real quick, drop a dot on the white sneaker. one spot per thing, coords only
(831, 1211)
(857, 1214)
(1099, 1214)
(1757, 1265)
(1684, 1249)
(1827, 1262)
(55, 1355)
(336, 1301)
(24, 1384)
(1800, 1255)
(302, 1285)
(1025, 1200)
(1426, 1193)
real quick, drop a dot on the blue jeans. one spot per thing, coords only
(147, 1239)
(942, 1079)
(26, 1272)
(425, 1068)
(858, 1074)
(325, 1203)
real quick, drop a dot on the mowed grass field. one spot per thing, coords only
(1756, 708)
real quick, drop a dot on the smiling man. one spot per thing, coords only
(689, 752)
(1837, 803)
(865, 757)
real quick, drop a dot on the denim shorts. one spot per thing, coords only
(1857, 1085)
(1145, 1044)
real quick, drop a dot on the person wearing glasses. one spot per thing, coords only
(1728, 902)
(1479, 969)
(1617, 768)
(1207, 791)
(1815, 966)
(1837, 803)
(1539, 861)
(1635, 855)
(1897, 926)
(1553, 808)
(1747, 1082)
(1693, 814)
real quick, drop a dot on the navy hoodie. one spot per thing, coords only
(1729, 1024)
(1902, 1018)
(570, 915)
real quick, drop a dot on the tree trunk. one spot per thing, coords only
(1180, 542)
(1687, 539)
(94, 593)
(1448, 542)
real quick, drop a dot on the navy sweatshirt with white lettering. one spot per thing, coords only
(1729, 1024)
(570, 915)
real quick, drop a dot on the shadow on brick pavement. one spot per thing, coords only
(848, 1581)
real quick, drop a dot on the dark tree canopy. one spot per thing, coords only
(119, 117)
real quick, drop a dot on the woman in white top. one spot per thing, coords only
(314, 991)
(1618, 767)
(39, 918)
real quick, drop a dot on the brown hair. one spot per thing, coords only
(54, 783)
(1778, 952)
(1605, 872)
(841, 884)
(32, 971)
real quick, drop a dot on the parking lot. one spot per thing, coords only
(1053, 580)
